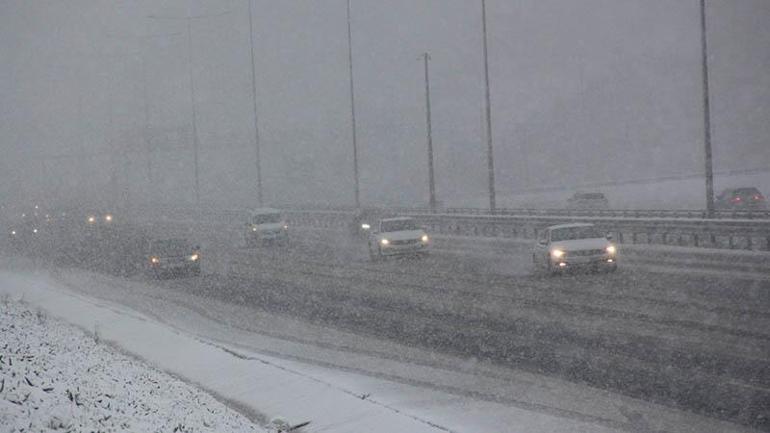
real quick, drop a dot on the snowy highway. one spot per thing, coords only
(638, 332)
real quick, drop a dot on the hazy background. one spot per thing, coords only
(583, 91)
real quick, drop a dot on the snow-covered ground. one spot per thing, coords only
(55, 377)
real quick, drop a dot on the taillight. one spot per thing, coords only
(758, 197)
(736, 200)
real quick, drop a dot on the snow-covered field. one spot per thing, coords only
(663, 194)
(55, 377)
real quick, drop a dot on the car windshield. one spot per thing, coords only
(170, 247)
(590, 196)
(266, 218)
(573, 233)
(746, 192)
(398, 225)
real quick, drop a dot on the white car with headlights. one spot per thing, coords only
(266, 226)
(567, 246)
(397, 236)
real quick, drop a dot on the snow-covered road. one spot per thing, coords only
(277, 366)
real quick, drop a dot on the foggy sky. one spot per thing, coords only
(582, 91)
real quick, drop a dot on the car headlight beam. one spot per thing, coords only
(385, 242)
(557, 253)
(611, 249)
(425, 239)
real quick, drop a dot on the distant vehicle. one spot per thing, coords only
(28, 231)
(566, 246)
(748, 198)
(588, 200)
(98, 218)
(364, 222)
(266, 226)
(397, 236)
(173, 257)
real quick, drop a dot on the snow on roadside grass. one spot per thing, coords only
(54, 377)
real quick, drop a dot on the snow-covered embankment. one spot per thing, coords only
(54, 376)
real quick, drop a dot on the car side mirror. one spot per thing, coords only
(609, 236)
(197, 247)
(542, 242)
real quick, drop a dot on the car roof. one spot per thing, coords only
(263, 211)
(159, 240)
(568, 226)
(397, 219)
(743, 190)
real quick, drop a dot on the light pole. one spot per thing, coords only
(254, 106)
(490, 149)
(709, 169)
(357, 193)
(193, 109)
(431, 180)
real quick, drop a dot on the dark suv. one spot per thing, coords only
(741, 199)
(173, 257)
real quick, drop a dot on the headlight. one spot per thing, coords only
(611, 249)
(34, 230)
(13, 232)
(108, 218)
(253, 229)
(385, 242)
(365, 226)
(194, 257)
(286, 227)
(155, 260)
(424, 239)
(91, 219)
(557, 254)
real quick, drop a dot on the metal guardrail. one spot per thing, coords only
(614, 213)
(661, 229)
(700, 233)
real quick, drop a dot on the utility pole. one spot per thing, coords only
(490, 149)
(145, 97)
(357, 192)
(254, 106)
(146, 107)
(709, 170)
(431, 179)
(194, 112)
